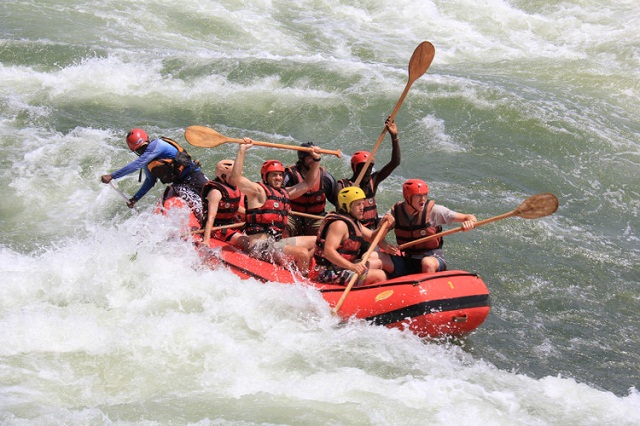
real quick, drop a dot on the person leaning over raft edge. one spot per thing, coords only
(166, 160)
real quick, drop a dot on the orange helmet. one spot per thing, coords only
(223, 169)
(137, 138)
(414, 187)
(360, 157)
(270, 166)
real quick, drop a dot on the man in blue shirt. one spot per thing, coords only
(163, 159)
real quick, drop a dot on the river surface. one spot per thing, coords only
(107, 318)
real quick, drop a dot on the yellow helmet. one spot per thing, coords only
(348, 195)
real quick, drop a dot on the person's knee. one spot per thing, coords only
(375, 263)
(300, 253)
(375, 276)
(387, 263)
(430, 264)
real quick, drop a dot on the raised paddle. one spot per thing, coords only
(206, 137)
(418, 65)
(381, 233)
(534, 207)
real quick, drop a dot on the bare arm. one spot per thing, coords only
(213, 199)
(389, 248)
(310, 179)
(254, 192)
(369, 235)
(468, 221)
(337, 233)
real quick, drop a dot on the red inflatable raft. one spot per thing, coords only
(450, 303)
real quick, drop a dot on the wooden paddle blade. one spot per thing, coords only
(418, 64)
(421, 59)
(536, 206)
(205, 137)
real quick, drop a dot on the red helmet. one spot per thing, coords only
(414, 187)
(136, 138)
(223, 169)
(360, 157)
(270, 166)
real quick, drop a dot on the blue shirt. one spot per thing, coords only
(157, 150)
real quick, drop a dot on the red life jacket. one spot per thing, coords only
(272, 216)
(228, 205)
(350, 248)
(370, 219)
(313, 201)
(407, 230)
(168, 170)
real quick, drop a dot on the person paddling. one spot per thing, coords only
(370, 181)
(267, 209)
(418, 217)
(340, 244)
(166, 160)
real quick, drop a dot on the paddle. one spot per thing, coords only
(310, 216)
(206, 137)
(217, 228)
(122, 194)
(381, 233)
(418, 65)
(239, 224)
(534, 207)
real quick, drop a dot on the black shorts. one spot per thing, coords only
(407, 265)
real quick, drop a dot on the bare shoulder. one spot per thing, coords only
(337, 227)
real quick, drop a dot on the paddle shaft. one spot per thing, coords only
(239, 224)
(122, 194)
(337, 153)
(418, 65)
(381, 233)
(454, 230)
(307, 215)
(381, 137)
(217, 228)
(206, 137)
